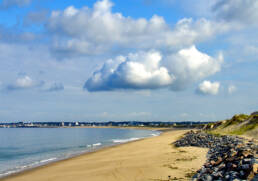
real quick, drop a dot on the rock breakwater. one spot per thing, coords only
(229, 157)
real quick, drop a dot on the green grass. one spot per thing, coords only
(238, 125)
(244, 129)
(235, 120)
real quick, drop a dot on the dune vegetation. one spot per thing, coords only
(241, 124)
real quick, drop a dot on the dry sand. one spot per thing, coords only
(148, 159)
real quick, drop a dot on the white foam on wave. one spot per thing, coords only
(124, 140)
(154, 134)
(96, 144)
(7, 173)
(47, 160)
(24, 167)
(33, 164)
(131, 139)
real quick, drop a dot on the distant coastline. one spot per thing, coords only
(126, 124)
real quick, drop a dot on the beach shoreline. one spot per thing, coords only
(160, 130)
(41, 172)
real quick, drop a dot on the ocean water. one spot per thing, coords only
(25, 148)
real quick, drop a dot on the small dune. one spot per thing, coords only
(242, 124)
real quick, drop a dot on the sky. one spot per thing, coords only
(142, 60)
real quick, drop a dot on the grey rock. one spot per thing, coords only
(229, 157)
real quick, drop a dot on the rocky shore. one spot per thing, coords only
(229, 157)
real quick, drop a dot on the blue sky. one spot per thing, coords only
(149, 60)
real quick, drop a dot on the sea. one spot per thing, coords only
(26, 148)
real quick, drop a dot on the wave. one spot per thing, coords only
(132, 139)
(96, 144)
(47, 160)
(24, 167)
(153, 134)
(124, 140)
(6, 173)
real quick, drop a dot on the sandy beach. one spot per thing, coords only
(148, 159)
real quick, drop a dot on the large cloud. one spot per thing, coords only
(208, 88)
(147, 70)
(92, 31)
(190, 65)
(136, 71)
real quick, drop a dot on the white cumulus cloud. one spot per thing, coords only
(149, 70)
(208, 88)
(190, 65)
(93, 31)
(140, 70)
